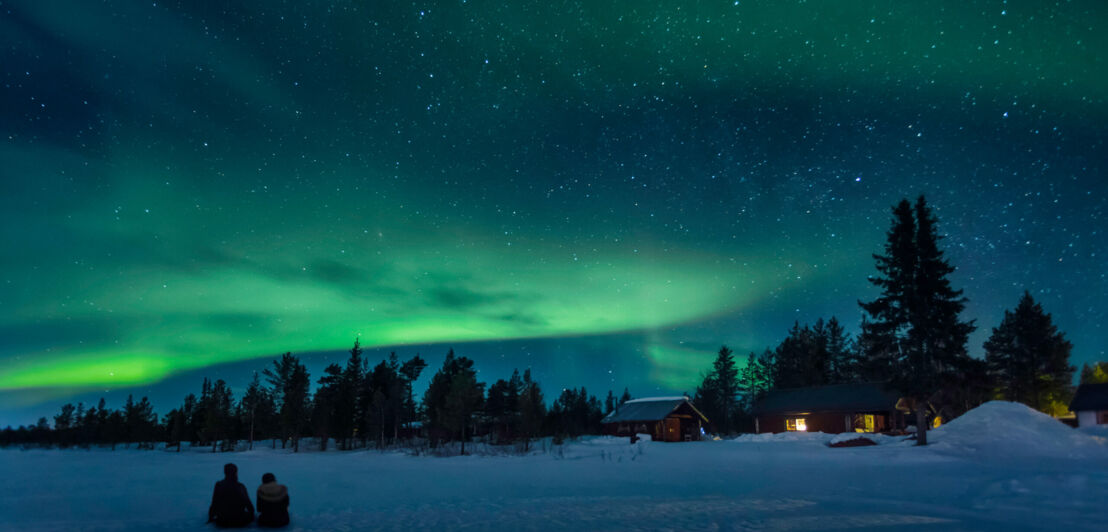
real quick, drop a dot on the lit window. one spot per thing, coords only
(865, 423)
(796, 424)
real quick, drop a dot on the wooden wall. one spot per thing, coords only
(829, 422)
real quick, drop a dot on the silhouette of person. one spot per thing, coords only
(230, 502)
(273, 502)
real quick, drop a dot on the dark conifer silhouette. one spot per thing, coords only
(913, 335)
(532, 409)
(719, 394)
(1028, 358)
(289, 381)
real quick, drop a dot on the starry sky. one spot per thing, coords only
(604, 192)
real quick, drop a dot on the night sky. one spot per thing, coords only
(602, 191)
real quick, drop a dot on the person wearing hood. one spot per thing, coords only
(231, 506)
(273, 502)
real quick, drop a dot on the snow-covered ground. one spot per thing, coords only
(976, 476)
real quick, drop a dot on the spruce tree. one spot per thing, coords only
(937, 362)
(885, 321)
(1029, 358)
(345, 413)
(385, 400)
(410, 371)
(914, 336)
(323, 407)
(255, 409)
(463, 398)
(801, 359)
(500, 407)
(755, 379)
(840, 353)
(625, 397)
(718, 394)
(289, 383)
(434, 399)
(532, 409)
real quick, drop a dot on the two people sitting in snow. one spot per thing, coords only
(231, 506)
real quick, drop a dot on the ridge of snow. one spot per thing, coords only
(652, 399)
(999, 429)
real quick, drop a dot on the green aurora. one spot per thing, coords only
(185, 186)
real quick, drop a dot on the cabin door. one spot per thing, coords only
(673, 429)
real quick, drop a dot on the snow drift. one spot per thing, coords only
(1001, 429)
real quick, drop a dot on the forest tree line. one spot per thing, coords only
(912, 337)
(354, 405)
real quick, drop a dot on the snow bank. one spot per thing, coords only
(999, 429)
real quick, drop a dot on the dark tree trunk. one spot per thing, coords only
(921, 424)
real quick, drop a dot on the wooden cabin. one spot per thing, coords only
(663, 418)
(1090, 403)
(833, 409)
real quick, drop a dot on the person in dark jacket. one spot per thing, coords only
(230, 502)
(273, 502)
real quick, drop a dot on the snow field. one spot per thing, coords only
(966, 481)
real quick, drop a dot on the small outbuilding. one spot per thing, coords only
(834, 409)
(663, 418)
(1090, 403)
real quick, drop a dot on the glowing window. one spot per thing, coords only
(796, 424)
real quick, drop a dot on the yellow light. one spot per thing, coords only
(801, 425)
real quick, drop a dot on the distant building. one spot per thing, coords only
(1090, 403)
(663, 418)
(836, 408)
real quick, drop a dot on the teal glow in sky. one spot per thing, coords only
(188, 186)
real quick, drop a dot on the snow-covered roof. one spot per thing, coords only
(654, 399)
(1090, 397)
(648, 409)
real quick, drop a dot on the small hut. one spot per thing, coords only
(1090, 403)
(837, 408)
(663, 418)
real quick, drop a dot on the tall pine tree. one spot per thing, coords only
(939, 366)
(719, 393)
(885, 320)
(289, 383)
(912, 333)
(1028, 358)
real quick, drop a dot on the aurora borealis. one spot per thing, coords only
(603, 191)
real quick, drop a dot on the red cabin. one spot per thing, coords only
(836, 408)
(663, 418)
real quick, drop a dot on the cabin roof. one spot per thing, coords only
(648, 409)
(656, 399)
(1090, 397)
(858, 397)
